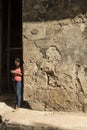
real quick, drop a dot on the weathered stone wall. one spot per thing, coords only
(55, 54)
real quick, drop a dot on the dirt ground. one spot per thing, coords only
(29, 117)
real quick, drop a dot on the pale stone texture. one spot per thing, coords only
(4, 108)
(41, 120)
(55, 55)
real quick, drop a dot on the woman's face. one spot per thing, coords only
(17, 63)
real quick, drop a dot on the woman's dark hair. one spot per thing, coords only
(17, 59)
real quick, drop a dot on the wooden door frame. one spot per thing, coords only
(1, 12)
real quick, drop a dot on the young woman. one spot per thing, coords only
(17, 79)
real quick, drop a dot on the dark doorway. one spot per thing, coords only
(11, 39)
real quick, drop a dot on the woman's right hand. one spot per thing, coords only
(12, 71)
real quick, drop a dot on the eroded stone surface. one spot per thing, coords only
(55, 56)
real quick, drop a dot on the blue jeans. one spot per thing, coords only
(18, 86)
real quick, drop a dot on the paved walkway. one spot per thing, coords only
(43, 119)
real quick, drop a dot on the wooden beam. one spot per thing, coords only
(14, 49)
(0, 44)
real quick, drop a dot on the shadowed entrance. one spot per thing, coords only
(11, 40)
